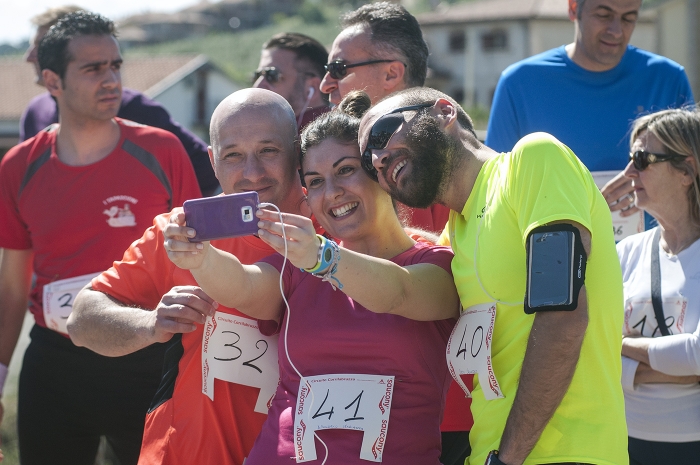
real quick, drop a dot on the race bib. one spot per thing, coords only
(622, 227)
(58, 300)
(358, 402)
(234, 350)
(469, 349)
(641, 321)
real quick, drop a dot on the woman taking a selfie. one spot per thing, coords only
(661, 273)
(368, 386)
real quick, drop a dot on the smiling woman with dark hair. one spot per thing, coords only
(362, 349)
(660, 270)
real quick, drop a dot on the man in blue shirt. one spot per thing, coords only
(588, 93)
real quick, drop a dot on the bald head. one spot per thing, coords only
(253, 147)
(251, 105)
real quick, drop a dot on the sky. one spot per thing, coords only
(15, 16)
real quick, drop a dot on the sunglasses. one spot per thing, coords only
(270, 73)
(338, 69)
(642, 159)
(382, 130)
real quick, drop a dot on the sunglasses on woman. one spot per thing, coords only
(641, 159)
(270, 73)
(382, 131)
(338, 68)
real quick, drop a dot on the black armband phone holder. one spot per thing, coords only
(556, 268)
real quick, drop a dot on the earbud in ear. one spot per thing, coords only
(311, 93)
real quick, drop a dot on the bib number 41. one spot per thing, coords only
(358, 402)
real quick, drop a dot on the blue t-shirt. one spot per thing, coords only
(591, 112)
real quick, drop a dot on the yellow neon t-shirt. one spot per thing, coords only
(539, 182)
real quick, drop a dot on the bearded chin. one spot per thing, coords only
(416, 192)
(430, 150)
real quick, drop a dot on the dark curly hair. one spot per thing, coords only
(53, 49)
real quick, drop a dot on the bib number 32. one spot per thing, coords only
(234, 350)
(469, 349)
(357, 402)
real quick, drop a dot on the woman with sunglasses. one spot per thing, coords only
(370, 385)
(661, 275)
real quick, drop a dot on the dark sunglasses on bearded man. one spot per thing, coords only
(382, 131)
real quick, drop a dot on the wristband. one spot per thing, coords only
(328, 258)
(325, 256)
(334, 258)
(3, 377)
(493, 459)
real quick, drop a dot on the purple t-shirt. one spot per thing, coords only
(42, 112)
(329, 333)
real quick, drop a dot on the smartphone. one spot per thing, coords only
(231, 215)
(550, 270)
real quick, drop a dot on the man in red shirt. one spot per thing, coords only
(72, 198)
(381, 50)
(220, 371)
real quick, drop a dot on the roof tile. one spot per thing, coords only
(17, 84)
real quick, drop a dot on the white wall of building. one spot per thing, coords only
(181, 100)
(474, 72)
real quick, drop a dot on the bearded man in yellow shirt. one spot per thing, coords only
(525, 226)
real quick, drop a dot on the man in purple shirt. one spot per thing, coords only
(42, 111)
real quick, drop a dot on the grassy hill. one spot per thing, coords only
(238, 52)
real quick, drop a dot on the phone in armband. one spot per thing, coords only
(223, 216)
(556, 267)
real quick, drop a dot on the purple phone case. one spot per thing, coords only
(222, 216)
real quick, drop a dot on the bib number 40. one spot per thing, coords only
(469, 349)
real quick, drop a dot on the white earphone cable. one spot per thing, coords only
(286, 323)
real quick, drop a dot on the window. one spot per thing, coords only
(457, 41)
(493, 41)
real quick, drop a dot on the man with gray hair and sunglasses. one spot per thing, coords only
(381, 50)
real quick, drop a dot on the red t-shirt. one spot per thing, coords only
(188, 427)
(433, 218)
(78, 219)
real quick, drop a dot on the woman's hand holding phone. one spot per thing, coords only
(302, 243)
